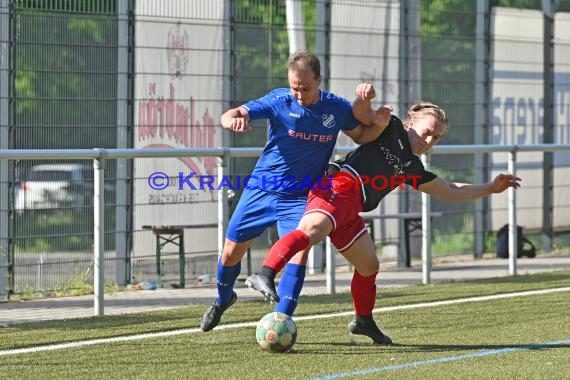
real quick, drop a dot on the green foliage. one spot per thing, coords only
(268, 49)
(77, 286)
(62, 83)
(453, 175)
(525, 4)
(59, 230)
(445, 244)
(266, 52)
(448, 59)
(75, 6)
(53, 230)
(261, 53)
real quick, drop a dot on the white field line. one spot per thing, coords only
(127, 338)
(446, 359)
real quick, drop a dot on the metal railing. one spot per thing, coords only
(100, 156)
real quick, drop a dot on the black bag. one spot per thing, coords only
(502, 243)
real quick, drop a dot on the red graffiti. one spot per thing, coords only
(172, 122)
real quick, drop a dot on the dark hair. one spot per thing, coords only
(304, 62)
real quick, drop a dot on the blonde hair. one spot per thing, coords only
(422, 109)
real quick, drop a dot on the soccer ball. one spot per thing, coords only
(276, 332)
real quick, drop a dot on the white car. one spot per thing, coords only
(55, 186)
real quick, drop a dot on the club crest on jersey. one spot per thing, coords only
(328, 120)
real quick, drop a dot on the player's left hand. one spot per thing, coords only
(503, 181)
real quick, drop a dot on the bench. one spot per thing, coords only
(412, 222)
(173, 235)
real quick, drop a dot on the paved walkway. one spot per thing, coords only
(145, 300)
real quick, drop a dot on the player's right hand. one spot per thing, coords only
(365, 91)
(240, 125)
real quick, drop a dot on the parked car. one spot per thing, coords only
(55, 186)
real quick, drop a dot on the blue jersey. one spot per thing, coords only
(301, 139)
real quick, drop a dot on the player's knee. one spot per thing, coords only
(229, 258)
(315, 233)
(316, 228)
(375, 266)
(232, 254)
(368, 267)
(366, 271)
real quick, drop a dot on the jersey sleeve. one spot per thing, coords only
(351, 121)
(417, 175)
(266, 106)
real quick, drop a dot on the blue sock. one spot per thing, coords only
(225, 280)
(290, 287)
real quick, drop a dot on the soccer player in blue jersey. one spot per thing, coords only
(304, 123)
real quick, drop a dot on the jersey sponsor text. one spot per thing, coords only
(310, 136)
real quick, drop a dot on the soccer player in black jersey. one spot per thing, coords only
(360, 181)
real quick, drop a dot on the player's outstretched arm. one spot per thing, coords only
(456, 191)
(236, 119)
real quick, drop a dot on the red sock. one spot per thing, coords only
(363, 291)
(285, 248)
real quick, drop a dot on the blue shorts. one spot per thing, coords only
(258, 210)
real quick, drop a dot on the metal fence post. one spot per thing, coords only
(223, 214)
(549, 11)
(181, 260)
(125, 76)
(512, 196)
(4, 144)
(330, 266)
(426, 230)
(99, 233)
(481, 120)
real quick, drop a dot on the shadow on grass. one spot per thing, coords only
(348, 348)
(473, 347)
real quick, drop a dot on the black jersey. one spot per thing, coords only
(384, 163)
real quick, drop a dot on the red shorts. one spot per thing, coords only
(340, 200)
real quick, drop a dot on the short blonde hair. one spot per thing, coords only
(421, 109)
